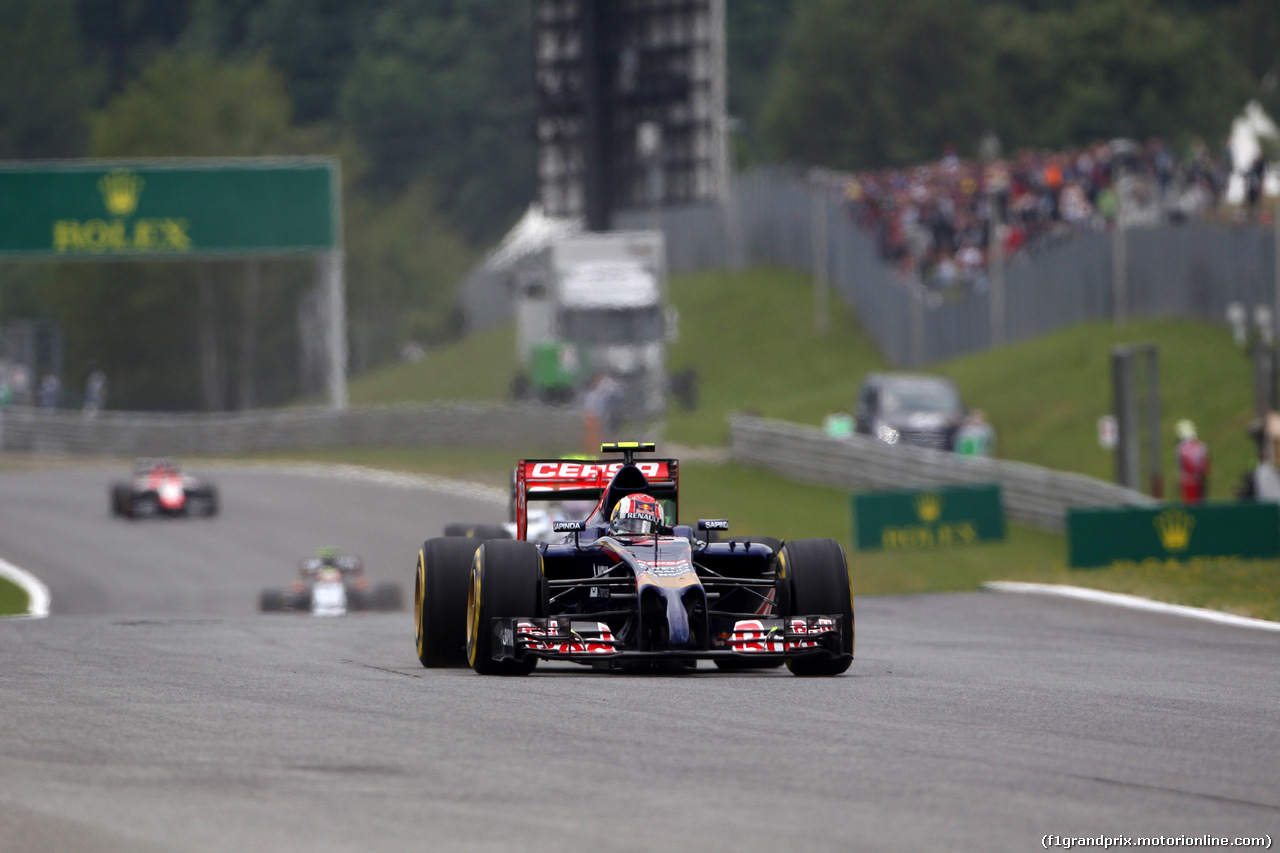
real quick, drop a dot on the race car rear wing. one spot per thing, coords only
(587, 479)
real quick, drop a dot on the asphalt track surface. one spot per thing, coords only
(155, 710)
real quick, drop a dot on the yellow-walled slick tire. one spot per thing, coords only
(506, 581)
(816, 575)
(440, 600)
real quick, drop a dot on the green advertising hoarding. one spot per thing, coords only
(182, 207)
(927, 518)
(1100, 536)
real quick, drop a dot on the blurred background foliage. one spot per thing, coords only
(429, 105)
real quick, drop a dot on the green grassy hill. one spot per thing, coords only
(479, 367)
(750, 336)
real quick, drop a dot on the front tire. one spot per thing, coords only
(506, 581)
(440, 600)
(814, 576)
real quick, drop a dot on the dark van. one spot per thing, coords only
(910, 408)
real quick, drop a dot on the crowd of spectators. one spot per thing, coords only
(934, 221)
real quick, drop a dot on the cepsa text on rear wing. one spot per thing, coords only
(585, 479)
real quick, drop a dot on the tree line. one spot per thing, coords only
(429, 104)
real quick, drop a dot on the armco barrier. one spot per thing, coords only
(1032, 495)
(514, 427)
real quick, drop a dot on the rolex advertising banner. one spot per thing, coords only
(187, 207)
(1100, 536)
(928, 518)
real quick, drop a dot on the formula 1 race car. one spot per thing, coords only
(628, 587)
(331, 584)
(159, 488)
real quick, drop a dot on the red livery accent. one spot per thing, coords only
(820, 626)
(598, 645)
(566, 474)
(751, 637)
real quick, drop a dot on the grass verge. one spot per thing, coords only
(13, 600)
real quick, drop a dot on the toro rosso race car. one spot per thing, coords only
(330, 585)
(159, 487)
(628, 586)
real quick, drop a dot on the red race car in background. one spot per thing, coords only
(159, 488)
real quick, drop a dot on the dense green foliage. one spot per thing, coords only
(48, 85)
(429, 105)
(869, 83)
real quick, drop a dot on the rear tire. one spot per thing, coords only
(143, 506)
(271, 600)
(440, 600)
(203, 502)
(814, 574)
(483, 532)
(386, 596)
(119, 498)
(506, 581)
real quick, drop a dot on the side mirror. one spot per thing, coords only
(574, 527)
(709, 524)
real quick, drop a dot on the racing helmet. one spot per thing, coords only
(328, 555)
(636, 515)
(1185, 430)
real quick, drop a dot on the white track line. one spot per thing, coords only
(1134, 602)
(37, 593)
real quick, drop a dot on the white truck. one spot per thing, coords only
(594, 304)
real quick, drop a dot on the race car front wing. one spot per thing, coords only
(583, 641)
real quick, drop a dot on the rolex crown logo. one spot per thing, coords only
(120, 191)
(1174, 527)
(928, 506)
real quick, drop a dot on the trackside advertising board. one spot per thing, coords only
(927, 518)
(165, 208)
(1100, 536)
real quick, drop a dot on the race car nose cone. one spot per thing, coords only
(677, 619)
